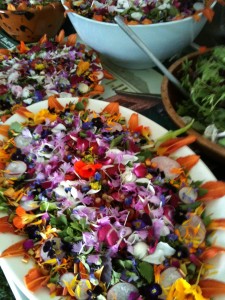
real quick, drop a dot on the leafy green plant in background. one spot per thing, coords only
(205, 79)
(5, 291)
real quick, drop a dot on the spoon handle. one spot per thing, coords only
(119, 20)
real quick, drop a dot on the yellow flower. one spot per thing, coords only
(95, 185)
(43, 115)
(182, 290)
(39, 67)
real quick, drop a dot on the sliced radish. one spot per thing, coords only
(169, 276)
(166, 165)
(67, 277)
(121, 291)
(188, 195)
(82, 288)
(15, 169)
(193, 231)
(22, 141)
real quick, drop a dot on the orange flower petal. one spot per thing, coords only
(35, 279)
(71, 40)
(16, 249)
(208, 13)
(60, 37)
(5, 52)
(18, 222)
(216, 224)
(174, 144)
(24, 112)
(82, 271)
(111, 108)
(107, 75)
(5, 226)
(4, 130)
(211, 252)
(22, 47)
(187, 162)
(133, 122)
(43, 39)
(53, 103)
(211, 288)
(215, 189)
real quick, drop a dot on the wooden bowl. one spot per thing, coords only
(31, 24)
(171, 96)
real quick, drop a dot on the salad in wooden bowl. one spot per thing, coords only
(203, 76)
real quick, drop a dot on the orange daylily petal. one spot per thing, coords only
(5, 118)
(43, 39)
(203, 49)
(107, 75)
(187, 162)
(211, 288)
(174, 144)
(211, 252)
(35, 279)
(4, 156)
(216, 224)
(5, 226)
(22, 47)
(71, 40)
(99, 88)
(208, 13)
(60, 37)
(215, 189)
(24, 112)
(16, 249)
(53, 103)
(82, 271)
(98, 17)
(133, 122)
(4, 130)
(111, 108)
(5, 52)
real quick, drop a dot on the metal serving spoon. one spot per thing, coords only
(132, 35)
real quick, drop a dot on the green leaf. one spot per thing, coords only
(116, 141)
(48, 206)
(15, 129)
(69, 231)
(146, 271)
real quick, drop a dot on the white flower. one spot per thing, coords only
(140, 250)
(162, 251)
(13, 77)
(27, 91)
(16, 90)
(136, 16)
(128, 175)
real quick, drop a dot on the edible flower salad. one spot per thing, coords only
(103, 211)
(24, 4)
(142, 12)
(64, 67)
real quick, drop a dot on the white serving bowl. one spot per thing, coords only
(164, 39)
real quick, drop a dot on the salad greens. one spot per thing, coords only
(204, 78)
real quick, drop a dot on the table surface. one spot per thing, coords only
(145, 81)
